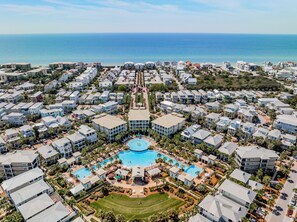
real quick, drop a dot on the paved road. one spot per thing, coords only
(288, 189)
(180, 86)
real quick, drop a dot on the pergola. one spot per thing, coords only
(154, 172)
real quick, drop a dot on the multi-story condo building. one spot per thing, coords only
(168, 124)
(3, 148)
(12, 164)
(89, 133)
(252, 158)
(78, 141)
(64, 146)
(138, 119)
(286, 123)
(110, 125)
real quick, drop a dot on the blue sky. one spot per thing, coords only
(202, 16)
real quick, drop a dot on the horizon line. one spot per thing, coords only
(202, 33)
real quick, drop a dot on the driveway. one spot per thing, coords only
(283, 204)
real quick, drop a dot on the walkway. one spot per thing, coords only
(283, 204)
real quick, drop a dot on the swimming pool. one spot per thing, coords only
(145, 158)
(193, 170)
(138, 144)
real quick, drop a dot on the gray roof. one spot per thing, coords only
(84, 129)
(255, 185)
(21, 156)
(29, 191)
(76, 137)
(223, 208)
(275, 133)
(35, 206)
(201, 134)
(238, 191)
(240, 175)
(228, 148)
(198, 217)
(61, 142)
(214, 140)
(47, 151)
(255, 152)
(53, 214)
(21, 179)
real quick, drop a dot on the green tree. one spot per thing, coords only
(120, 218)
(266, 180)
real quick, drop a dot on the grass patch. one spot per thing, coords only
(137, 208)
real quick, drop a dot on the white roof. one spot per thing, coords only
(53, 214)
(29, 191)
(154, 171)
(35, 206)
(21, 179)
(137, 171)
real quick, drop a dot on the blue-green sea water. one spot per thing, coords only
(112, 49)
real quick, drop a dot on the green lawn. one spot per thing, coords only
(140, 208)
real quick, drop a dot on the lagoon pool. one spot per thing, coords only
(138, 144)
(145, 158)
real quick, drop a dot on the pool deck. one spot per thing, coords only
(137, 189)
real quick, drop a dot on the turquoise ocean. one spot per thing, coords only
(114, 49)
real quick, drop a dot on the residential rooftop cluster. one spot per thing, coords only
(65, 131)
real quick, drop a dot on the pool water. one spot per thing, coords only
(138, 144)
(139, 155)
(193, 171)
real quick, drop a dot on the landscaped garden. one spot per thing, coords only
(137, 208)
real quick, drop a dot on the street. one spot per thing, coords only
(282, 204)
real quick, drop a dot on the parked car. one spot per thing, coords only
(290, 212)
